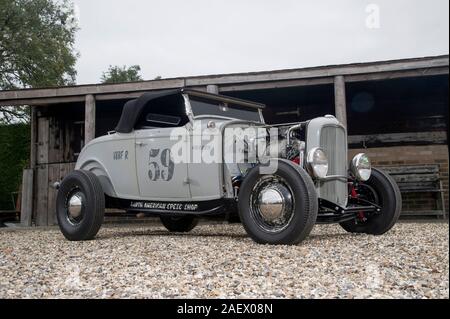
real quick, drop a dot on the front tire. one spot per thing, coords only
(179, 224)
(80, 206)
(388, 197)
(279, 208)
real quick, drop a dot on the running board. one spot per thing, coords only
(167, 207)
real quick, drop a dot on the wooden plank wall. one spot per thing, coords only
(56, 172)
(26, 207)
(55, 159)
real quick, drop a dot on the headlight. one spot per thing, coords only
(361, 167)
(317, 162)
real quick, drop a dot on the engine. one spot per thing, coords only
(290, 144)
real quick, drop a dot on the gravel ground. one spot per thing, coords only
(219, 260)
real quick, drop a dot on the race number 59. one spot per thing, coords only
(161, 166)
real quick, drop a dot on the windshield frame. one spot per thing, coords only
(216, 103)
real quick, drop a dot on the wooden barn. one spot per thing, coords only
(396, 111)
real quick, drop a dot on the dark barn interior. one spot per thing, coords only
(294, 104)
(396, 111)
(398, 106)
(408, 105)
(108, 114)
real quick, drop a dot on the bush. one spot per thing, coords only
(14, 157)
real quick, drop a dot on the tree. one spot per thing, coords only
(15, 146)
(117, 74)
(36, 47)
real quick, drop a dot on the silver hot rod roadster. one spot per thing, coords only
(159, 162)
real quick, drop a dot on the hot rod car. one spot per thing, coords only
(300, 178)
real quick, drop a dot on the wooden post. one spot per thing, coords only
(214, 89)
(28, 196)
(340, 103)
(89, 125)
(40, 190)
(33, 140)
(26, 206)
(41, 193)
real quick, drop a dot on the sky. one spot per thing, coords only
(176, 38)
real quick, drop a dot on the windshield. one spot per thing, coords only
(216, 108)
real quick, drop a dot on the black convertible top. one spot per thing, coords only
(133, 109)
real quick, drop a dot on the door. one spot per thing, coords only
(159, 176)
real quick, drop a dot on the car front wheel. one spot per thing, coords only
(382, 190)
(80, 205)
(278, 208)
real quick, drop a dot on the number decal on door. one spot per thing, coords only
(161, 167)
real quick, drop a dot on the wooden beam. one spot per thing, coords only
(412, 169)
(41, 193)
(276, 84)
(26, 206)
(33, 140)
(214, 89)
(340, 103)
(42, 140)
(325, 71)
(118, 96)
(89, 119)
(233, 87)
(413, 138)
(441, 62)
(43, 101)
(330, 80)
(396, 75)
(93, 89)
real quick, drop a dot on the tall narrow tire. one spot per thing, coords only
(179, 224)
(389, 199)
(279, 208)
(80, 206)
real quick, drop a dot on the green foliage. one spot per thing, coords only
(14, 152)
(117, 74)
(36, 47)
(36, 43)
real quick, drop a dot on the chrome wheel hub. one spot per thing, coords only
(272, 204)
(75, 203)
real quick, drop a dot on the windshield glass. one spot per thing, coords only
(216, 108)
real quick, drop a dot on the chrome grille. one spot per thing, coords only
(334, 142)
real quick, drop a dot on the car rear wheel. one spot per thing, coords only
(278, 208)
(383, 191)
(80, 205)
(180, 224)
